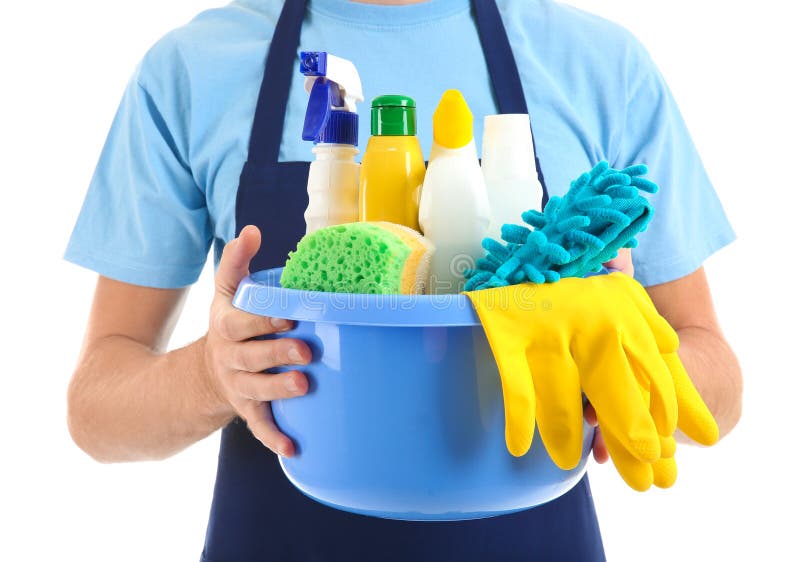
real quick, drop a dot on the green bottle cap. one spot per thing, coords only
(393, 115)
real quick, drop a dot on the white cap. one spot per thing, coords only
(508, 145)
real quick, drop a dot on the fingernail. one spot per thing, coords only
(291, 385)
(295, 356)
(280, 323)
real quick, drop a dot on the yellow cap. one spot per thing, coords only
(452, 121)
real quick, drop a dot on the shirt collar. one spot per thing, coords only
(376, 14)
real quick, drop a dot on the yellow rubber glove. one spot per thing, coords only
(694, 418)
(638, 474)
(600, 335)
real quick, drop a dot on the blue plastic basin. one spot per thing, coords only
(404, 415)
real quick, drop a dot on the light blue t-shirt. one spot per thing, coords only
(165, 186)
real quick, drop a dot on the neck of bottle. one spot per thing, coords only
(438, 151)
(333, 151)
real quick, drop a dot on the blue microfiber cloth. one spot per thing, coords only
(602, 212)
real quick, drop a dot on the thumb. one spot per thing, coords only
(234, 264)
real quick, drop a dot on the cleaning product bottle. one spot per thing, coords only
(393, 167)
(454, 208)
(331, 122)
(509, 168)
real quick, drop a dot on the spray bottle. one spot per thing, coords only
(454, 208)
(334, 88)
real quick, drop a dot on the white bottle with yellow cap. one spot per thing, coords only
(454, 206)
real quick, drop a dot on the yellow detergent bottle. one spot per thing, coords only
(393, 167)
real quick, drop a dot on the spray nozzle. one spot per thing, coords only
(333, 87)
(320, 65)
(313, 63)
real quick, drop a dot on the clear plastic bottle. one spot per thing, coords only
(454, 208)
(393, 167)
(509, 169)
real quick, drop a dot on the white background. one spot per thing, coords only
(63, 67)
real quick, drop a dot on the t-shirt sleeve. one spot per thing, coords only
(689, 223)
(144, 219)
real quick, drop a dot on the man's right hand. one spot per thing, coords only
(235, 361)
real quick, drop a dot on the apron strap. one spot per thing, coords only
(267, 129)
(499, 58)
(503, 69)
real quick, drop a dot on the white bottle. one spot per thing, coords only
(509, 169)
(332, 186)
(454, 207)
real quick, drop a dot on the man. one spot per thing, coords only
(164, 190)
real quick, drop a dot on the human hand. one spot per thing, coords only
(599, 449)
(235, 361)
(622, 263)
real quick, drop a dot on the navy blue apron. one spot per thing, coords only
(257, 514)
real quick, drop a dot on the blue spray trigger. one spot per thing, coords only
(330, 117)
(318, 111)
(323, 98)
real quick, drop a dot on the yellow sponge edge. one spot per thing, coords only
(414, 279)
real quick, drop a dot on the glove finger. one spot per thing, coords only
(652, 373)
(668, 447)
(559, 405)
(665, 335)
(636, 474)
(694, 417)
(611, 387)
(665, 472)
(519, 400)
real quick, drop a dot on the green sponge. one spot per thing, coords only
(361, 257)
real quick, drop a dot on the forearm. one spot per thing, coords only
(128, 403)
(715, 371)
